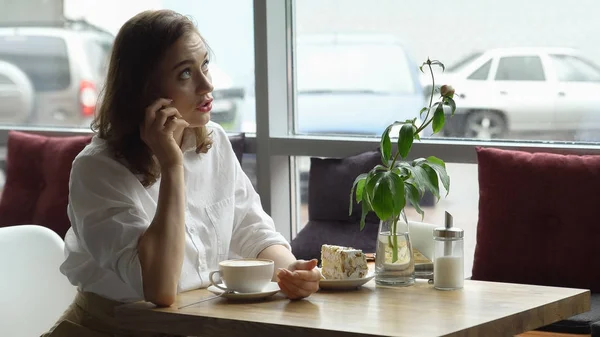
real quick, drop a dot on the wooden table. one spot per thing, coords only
(480, 309)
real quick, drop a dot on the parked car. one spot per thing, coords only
(506, 90)
(66, 65)
(16, 95)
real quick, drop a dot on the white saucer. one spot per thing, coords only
(270, 290)
(345, 284)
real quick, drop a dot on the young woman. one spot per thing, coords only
(158, 198)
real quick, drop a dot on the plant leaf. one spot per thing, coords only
(422, 110)
(405, 139)
(365, 211)
(440, 167)
(370, 188)
(386, 145)
(379, 190)
(359, 184)
(438, 63)
(388, 195)
(379, 168)
(414, 197)
(424, 64)
(450, 102)
(359, 189)
(438, 118)
(398, 194)
(403, 171)
(436, 160)
(433, 180)
(414, 179)
(424, 180)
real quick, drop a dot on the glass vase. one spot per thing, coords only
(394, 259)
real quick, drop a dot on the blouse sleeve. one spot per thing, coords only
(107, 217)
(254, 229)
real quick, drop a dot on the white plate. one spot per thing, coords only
(345, 284)
(270, 290)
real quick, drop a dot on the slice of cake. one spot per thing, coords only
(342, 263)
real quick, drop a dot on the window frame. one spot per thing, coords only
(274, 143)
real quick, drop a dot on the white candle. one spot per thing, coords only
(448, 272)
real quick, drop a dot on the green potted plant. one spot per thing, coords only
(388, 187)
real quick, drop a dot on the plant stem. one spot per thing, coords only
(395, 251)
(394, 161)
(394, 237)
(422, 127)
(432, 88)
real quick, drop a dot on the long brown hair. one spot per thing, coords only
(138, 49)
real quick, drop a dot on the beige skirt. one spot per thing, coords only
(91, 315)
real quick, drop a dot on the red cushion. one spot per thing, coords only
(37, 180)
(538, 219)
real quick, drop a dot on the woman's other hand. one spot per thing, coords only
(300, 279)
(160, 125)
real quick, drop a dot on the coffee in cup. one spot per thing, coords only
(244, 275)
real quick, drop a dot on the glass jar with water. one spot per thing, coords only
(394, 259)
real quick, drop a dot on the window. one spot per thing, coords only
(482, 72)
(570, 68)
(520, 68)
(330, 75)
(62, 56)
(518, 96)
(227, 27)
(57, 54)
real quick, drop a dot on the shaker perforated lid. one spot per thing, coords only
(448, 231)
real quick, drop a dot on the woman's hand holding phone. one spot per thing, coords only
(160, 125)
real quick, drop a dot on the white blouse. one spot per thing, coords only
(109, 210)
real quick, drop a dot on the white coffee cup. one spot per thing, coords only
(244, 275)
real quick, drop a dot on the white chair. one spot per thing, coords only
(33, 292)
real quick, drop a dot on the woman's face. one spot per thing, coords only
(184, 78)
